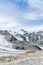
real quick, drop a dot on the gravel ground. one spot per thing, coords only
(28, 58)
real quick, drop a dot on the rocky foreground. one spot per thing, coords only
(28, 58)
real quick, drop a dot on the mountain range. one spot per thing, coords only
(20, 41)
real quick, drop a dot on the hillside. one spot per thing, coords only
(28, 58)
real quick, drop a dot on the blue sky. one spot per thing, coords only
(17, 14)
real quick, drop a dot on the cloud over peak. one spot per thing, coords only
(21, 14)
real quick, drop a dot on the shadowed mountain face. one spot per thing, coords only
(30, 37)
(22, 40)
(23, 35)
(10, 38)
(21, 44)
(4, 32)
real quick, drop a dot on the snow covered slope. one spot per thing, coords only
(6, 47)
(21, 35)
(3, 42)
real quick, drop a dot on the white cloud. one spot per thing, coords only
(34, 28)
(3, 19)
(9, 14)
(33, 16)
(38, 4)
(30, 16)
(7, 23)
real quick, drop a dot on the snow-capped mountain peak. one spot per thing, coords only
(21, 31)
(21, 35)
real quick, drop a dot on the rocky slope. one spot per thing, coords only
(6, 47)
(28, 58)
(21, 45)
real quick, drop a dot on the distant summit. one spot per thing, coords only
(4, 32)
(22, 40)
(23, 35)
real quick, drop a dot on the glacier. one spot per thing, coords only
(6, 47)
